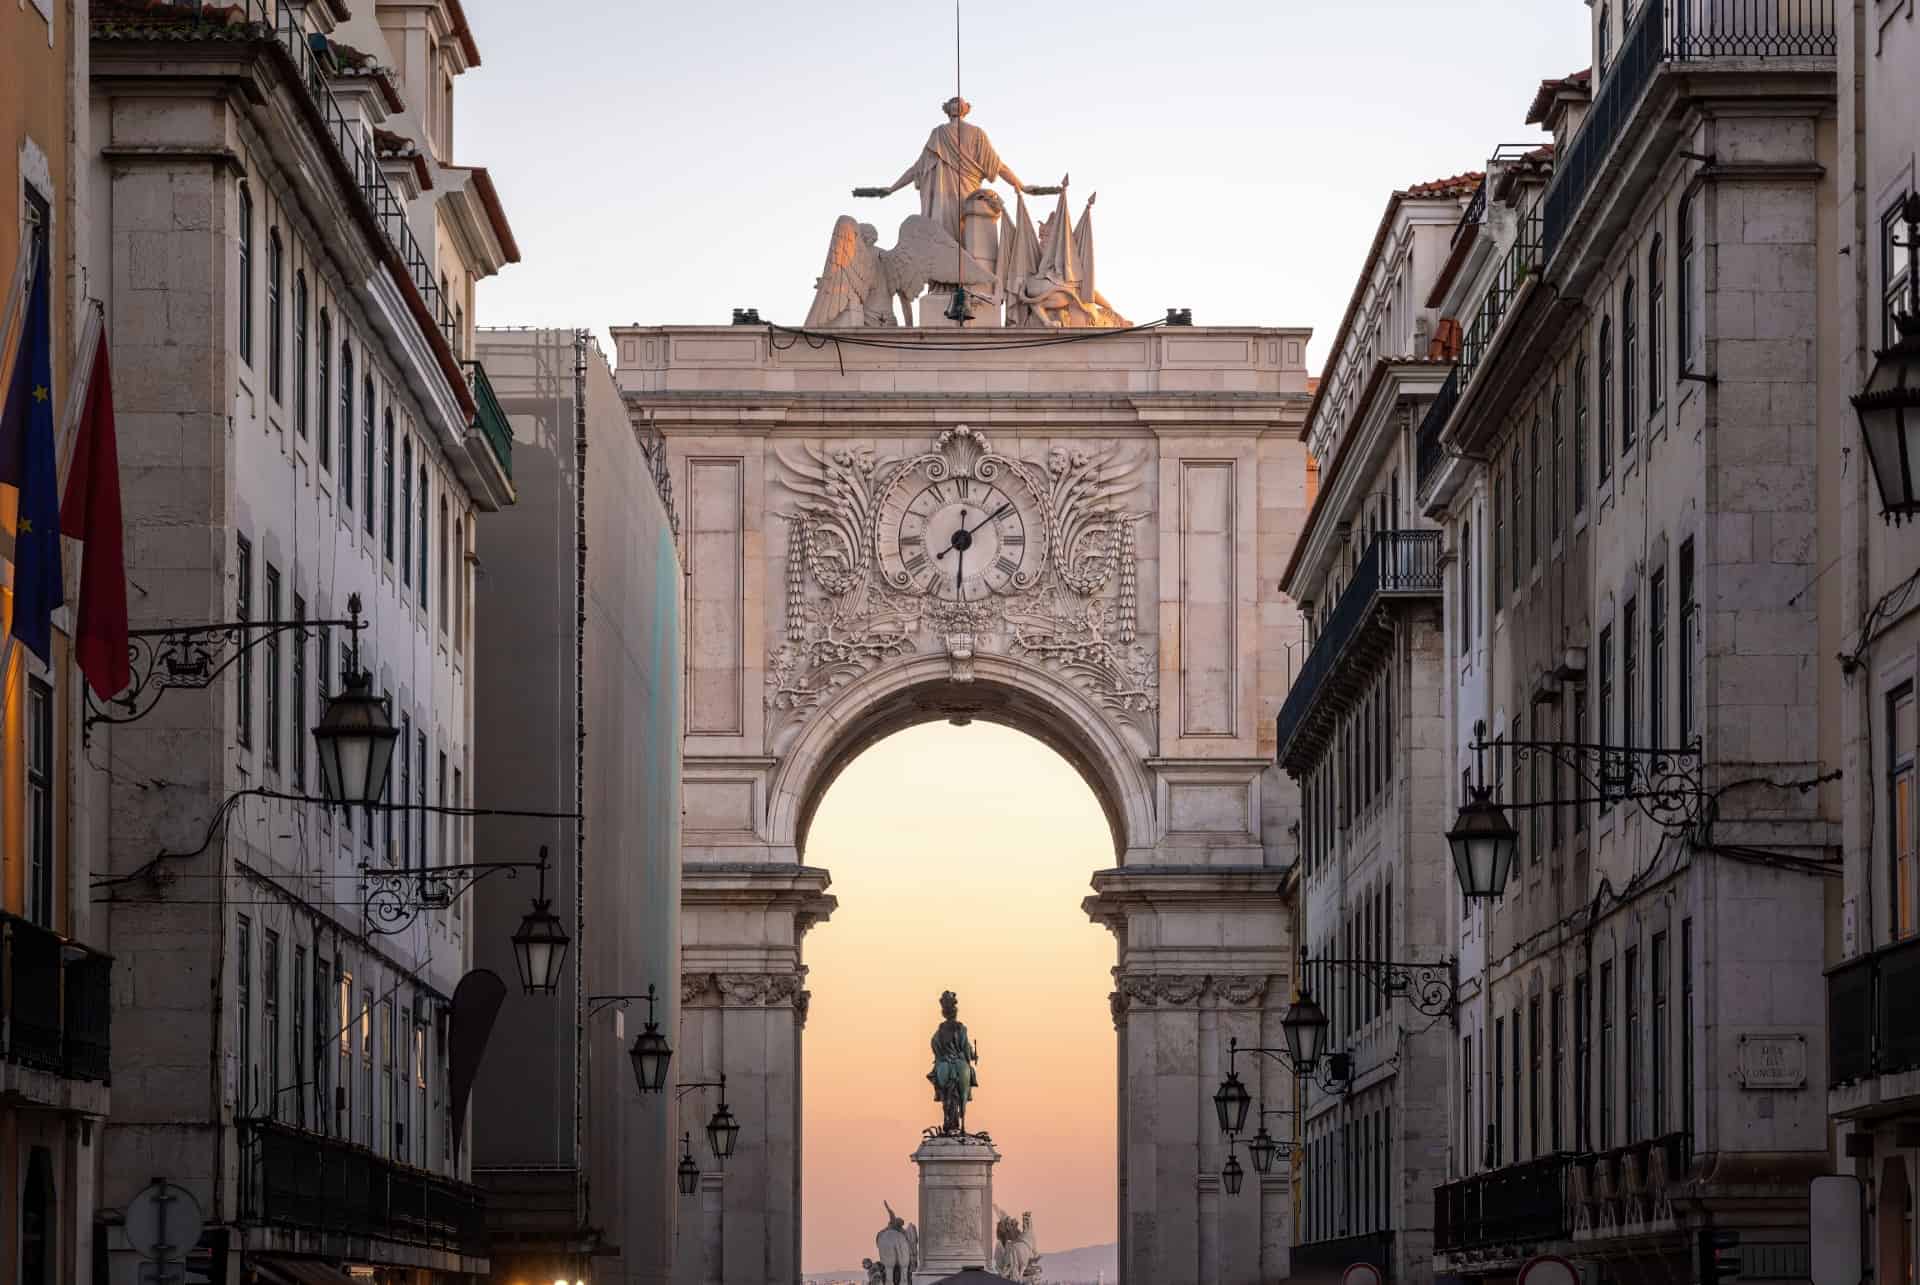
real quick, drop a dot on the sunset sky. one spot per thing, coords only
(960, 856)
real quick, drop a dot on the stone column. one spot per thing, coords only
(956, 1205)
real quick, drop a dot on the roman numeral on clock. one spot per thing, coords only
(1014, 539)
(916, 541)
(962, 485)
(917, 563)
(1005, 565)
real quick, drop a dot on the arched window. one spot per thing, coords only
(1580, 434)
(246, 274)
(420, 507)
(1554, 461)
(300, 353)
(276, 327)
(324, 447)
(1603, 42)
(1656, 325)
(1629, 364)
(369, 450)
(346, 423)
(1603, 411)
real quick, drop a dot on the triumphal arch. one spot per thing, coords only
(1005, 502)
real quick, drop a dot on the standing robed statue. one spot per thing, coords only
(953, 1076)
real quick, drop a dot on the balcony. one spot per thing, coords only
(1520, 1204)
(1628, 1191)
(1428, 452)
(1665, 33)
(1397, 566)
(489, 420)
(1871, 1029)
(303, 1181)
(56, 1002)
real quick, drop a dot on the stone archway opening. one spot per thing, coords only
(960, 856)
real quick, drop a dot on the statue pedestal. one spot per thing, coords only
(956, 1206)
(930, 310)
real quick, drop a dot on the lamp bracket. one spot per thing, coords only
(1663, 783)
(597, 1004)
(194, 657)
(391, 900)
(1432, 989)
(681, 1090)
(1320, 1075)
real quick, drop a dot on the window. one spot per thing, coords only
(1495, 1151)
(1580, 434)
(273, 670)
(300, 353)
(1534, 492)
(270, 1010)
(459, 584)
(324, 1023)
(1603, 409)
(298, 994)
(1514, 1152)
(1893, 272)
(1580, 734)
(1603, 39)
(1557, 1063)
(1466, 590)
(323, 452)
(1515, 476)
(1499, 542)
(1629, 362)
(1900, 802)
(1535, 1059)
(1657, 658)
(405, 763)
(406, 508)
(300, 693)
(346, 424)
(1605, 737)
(419, 794)
(442, 546)
(1582, 1060)
(420, 514)
(1631, 1072)
(1629, 674)
(1467, 1072)
(420, 1088)
(459, 854)
(1689, 328)
(276, 330)
(1553, 468)
(1534, 814)
(39, 1212)
(1658, 1036)
(40, 802)
(1605, 1070)
(440, 817)
(386, 486)
(243, 611)
(368, 449)
(1687, 610)
(367, 1136)
(1686, 1030)
(1656, 325)
(394, 1096)
(246, 274)
(243, 1014)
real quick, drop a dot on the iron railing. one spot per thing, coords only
(1690, 31)
(1870, 1024)
(293, 1178)
(1396, 564)
(1525, 1202)
(55, 1000)
(1521, 259)
(1427, 450)
(1474, 215)
(315, 62)
(489, 418)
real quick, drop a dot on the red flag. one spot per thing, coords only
(90, 513)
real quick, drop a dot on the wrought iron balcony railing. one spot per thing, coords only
(1427, 450)
(1397, 564)
(1870, 1023)
(489, 418)
(1673, 31)
(292, 1178)
(56, 1002)
(1526, 1202)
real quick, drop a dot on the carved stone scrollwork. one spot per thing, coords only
(1241, 992)
(1150, 990)
(755, 990)
(1117, 1006)
(877, 567)
(694, 985)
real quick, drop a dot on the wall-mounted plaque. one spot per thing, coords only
(1773, 1061)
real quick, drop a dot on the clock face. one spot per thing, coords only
(957, 538)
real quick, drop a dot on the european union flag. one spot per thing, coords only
(27, 461)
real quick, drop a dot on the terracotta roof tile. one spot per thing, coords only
(1458, 185)
(1550, 89)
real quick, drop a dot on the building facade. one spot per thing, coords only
(1363, 732)
(580, 708)
(1874, 1092)
(55, 1007)
(286, 256)
(1635, 469)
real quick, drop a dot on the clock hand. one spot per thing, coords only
(958, 540)
(993, 517)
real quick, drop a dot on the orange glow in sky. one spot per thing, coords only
(960, 856)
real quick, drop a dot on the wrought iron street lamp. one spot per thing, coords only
(1231, 1102)
(1663, 783)
(688, 1172)
(723, 1130)
(1231, 1174)
(1889, 406)
(355, 739)
(540, 946)
(1304, 1026)
(650, 1052)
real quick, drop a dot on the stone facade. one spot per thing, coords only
(1364, 733)
(1151, 484)
(1637, 471)
(295, 427)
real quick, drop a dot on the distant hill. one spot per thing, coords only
(1081, 1266)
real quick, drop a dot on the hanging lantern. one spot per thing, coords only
(1231, 1101)
(354, 740)
(540, 947)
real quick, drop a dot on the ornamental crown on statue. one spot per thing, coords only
(964, 238)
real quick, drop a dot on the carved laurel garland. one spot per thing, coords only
(743, 990)
(1076, 609)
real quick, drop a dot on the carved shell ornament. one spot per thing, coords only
(962, 549)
